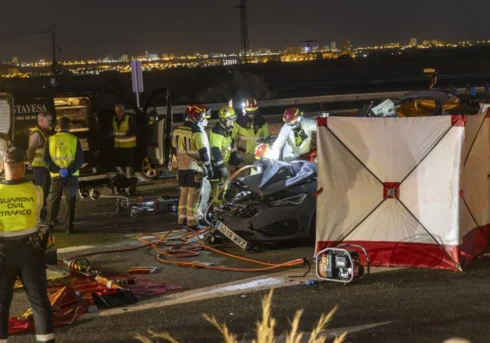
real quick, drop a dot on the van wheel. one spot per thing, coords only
(147, 172)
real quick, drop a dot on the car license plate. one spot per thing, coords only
(231, 235)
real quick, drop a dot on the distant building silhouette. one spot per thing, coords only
(346, 48)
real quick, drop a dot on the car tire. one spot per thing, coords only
(147, 173)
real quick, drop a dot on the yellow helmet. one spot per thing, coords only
(227, 117)
(227, 112)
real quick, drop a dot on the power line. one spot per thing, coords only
(19, 34)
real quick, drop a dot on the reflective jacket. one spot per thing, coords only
(63, 149)
(121, 129)
(294, 143)
(221, 145)
(20, 207)
(249, 133)
(189, 146)
(38, 160)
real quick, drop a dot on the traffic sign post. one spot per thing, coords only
(137, 79)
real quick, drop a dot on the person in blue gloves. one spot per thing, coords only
(63, 157)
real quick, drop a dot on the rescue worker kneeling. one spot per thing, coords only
(221, 142)
(21, 255)
(193, 163)
(295, 140)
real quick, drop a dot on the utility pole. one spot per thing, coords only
(54, 63)
(243, 29)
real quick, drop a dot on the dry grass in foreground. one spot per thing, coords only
(265, 329)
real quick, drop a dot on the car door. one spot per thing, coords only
(158, 109)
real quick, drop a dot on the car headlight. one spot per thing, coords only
(294, 200)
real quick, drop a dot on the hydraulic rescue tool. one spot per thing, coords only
(340, 264)
(116, 294)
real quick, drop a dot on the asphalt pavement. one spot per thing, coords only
(407, 305)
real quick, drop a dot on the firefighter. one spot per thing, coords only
(124, 132)
(38, 136)
(249, 131)
(295, 140)
(63, 157)
(221, 142)
(20, 255)
(206, 184)
(193, 163)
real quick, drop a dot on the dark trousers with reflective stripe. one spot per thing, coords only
(19, 258)
(43, 179)
(68, 187)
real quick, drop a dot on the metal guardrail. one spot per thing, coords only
(322, 99)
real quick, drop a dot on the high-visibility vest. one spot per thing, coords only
(20, 207)
(249, 133)
(120, 132)
(221, 145)
(188, 141)
(38, 160)
(63, 150)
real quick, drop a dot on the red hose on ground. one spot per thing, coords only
(188, 249)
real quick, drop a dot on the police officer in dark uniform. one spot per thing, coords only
(21, 255)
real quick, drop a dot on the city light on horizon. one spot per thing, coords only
(293, 53)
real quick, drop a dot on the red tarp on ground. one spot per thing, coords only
(68, 306)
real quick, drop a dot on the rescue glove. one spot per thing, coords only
(63, 172)
(209, 168)
(224, 172)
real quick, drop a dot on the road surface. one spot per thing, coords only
(389, 306)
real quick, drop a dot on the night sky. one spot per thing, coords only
(98, 28)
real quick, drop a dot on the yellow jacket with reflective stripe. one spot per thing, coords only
(38, 160)
(20, 207)
(121, 140)
(221, 145)
(63, 150)
(249, 133)
(189, 145)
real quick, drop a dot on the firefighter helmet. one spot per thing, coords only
(293, 117)
(250, 106)
(261, 151)
(227, 116)
(197, 112)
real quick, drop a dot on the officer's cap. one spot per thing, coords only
(14, 155)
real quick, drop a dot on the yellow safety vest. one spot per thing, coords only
(120, 132)
(20, 207)
(63, 150)
(247, 134)
(188, 140)
(38, 160)
(220, 139)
